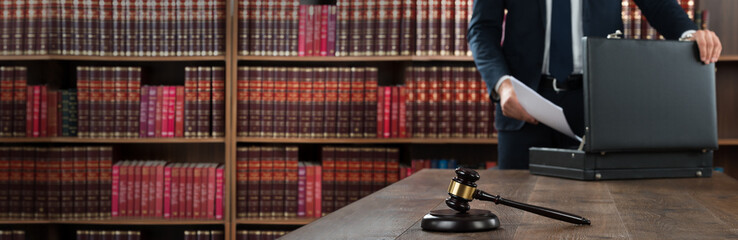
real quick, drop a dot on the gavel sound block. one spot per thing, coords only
(460, 218)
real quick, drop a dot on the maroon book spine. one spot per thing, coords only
(218, 102)
(80, 182)
(281, 30)
(322, 34)
(133, 100)
(19, 99)
(105, 27)
(83, 101)
(331, 103)
(381, 24)
(444, 106)
(395, 112)
(254, 182)
(394, 14)
(117, 33)
(380, 112)
(318, 101)
(280, 102)
(379, 175)
(190, 104)
(245, 14)
(357, 26)
(92, 174)
(331, 41)
(409, 91)
(15, 182)
(242, 183)
(343, 20)
(292, 107)
(432, 92)
(267, 103)
(242, 104)
(461, 16)
(393, 157)
(354, 174)
(291, 191)
(434, 27)
(341, 177)
(203, 97)
(67, 183)
(255, 90)
(366, 170)
(446, 11)
(20, 9)
(144, 116)
(6, 101)
(106, 181)
(306, 103)
(293, 25)
(369, 24)
(256, 29)
(344, 103)
(421, 30)
(329, 168)
(6, 28)
(28, 182)
(53, 197)
(421, 102)
(472, 94)
(5, 172)
(309, 31)
(40, 209)
(108, 105)
(459, 103)
(266, 209)
(120, 103)
(97, 104)
(279, 182)
(370, 103)
(408, 27)
(357, 102)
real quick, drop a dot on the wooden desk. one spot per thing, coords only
(689, 208)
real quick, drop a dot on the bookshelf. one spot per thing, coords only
(55, 70)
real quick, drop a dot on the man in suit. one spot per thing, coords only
(542, 43)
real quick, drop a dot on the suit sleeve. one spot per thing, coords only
(484, 34)
(667, 17)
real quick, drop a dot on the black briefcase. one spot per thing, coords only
(649, 112)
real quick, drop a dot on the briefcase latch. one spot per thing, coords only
(616, 35)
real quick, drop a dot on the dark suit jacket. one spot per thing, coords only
(521, 55)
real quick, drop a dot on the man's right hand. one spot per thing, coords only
(509, 102)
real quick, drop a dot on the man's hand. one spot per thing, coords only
(709, 45)
(510, 106)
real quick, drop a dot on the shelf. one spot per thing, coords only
(728, 58)
(21, 221)
(292, 221)
(371, 140)
(728, 142)
(110, 140)
(108, 58)
(357, 59)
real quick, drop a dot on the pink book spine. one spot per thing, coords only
(172, 108)
(165, 112)
(151, 121)
(123, 187)
(380, 112)
(387, 113)
(318, 191)
(332, 31)
(219, 187)
(179, 112)
(44, 110)
(301, 31)
(301, 171)
(212, 178)
(159, 209)
(167, 192)
(310, 191)
(324, 30)
(309, 12)
(144, 110)
(402, 112)
(114, 194)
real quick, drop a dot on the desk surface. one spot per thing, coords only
(688, 208)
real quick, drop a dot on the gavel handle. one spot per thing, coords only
(546, 212)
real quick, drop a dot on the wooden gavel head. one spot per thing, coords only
(462, 188)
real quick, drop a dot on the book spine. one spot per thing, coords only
(471, 92)
(156, 110)
(280, 102)
(446, 27)
(422, 28)
(379, 174)
(387, 112)
(279, 182)
(302, 31)
(244, 16)
(53, 167)
(179, 102)
(106, 180)
(432, 98)
(204, 98)
(80, 182)
(357, 102)
(254, 103)
(460, 24)
(267, 182)
(445, 101)
(242, 183)
(331, 30)
(392, 165)
(218, 102)
(15, 184)
(67, 161)
(219, 192)
(115, 191)
(267, 103)
(280, 25)
(318, 103)
(5, 172)
(292, 121)
(107, 106)
(291, 181)
(301, 192)
(190, 104)
(343, 126)
(433, 27)
(254, 182)
(380, 112)
(309, 190)
(29, 112)
(365, 172)
(6, 102)
(354, 175)
(144, 116)
(133, 100)
(331, 103)
(420, 106)
(36, 111)
(28, 183)
(409, 27)
(257, 29)
(328, 179)
(318, 209)
(369, 23)
(189, 191)
(43, 112)
(118, 102)
(382, 27)
(175, 191)
(93, 180)
(342, 27)
(41, 182)
(356, 26)
(167, 195)
(309, 31)
(459, 98)
(21, 9)
(394, 14)
(402, 110)
(484, 109)
(160, 189)
(97, 104)
(293, 26)
(395, 113)
(53, 118)
(409, 102)
(242, 105)
(324, 15)
(341, 178)
(196, 189)
(370, 103)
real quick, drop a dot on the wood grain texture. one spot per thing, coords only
(686, 208)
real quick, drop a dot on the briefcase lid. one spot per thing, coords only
(643, 95)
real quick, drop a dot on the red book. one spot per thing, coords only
(318, 209)
(379, 165)
(52, 127)
(219, 190)
(291, 178)
(370, 103)
(44, 110)
(179, 112)
(331, 30)
(171, 113)
(316, 29)
(123, 188)
(409, 102)
(115, 190)
(196, 189)
(144, 193)
(357, 102)
(159, 191)
(160, 110)
(203, 195)
(210, 195)
(324, 15)
(189, 190)
(167, 192)
(267, 182)
(254, 180)
(309, 25)
(152, 111)
(279, 182)
(365, 172)
(387, 111)
(402, 112)
(176, 192)
(310, 191)
(92, 171)
(29, 112)
(138, 195)
(301, 39)
(165, 113)
(380, 112)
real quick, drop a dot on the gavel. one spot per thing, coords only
(463, 189)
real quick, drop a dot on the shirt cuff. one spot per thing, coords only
(688, 33)
(495, 95)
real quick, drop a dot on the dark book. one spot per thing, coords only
(191, 104)
(106, 180)
(422, 23)
(67, 183)
(370, 103)
(119, 101)
(341, 177)
(402, 109)
(257, 28)
(255, 101)
(144, 112)
(5, 172)
(242, 184)
(356, 27)
(292, 112)
(216, 235)
(245, 15)
(242, 105)
(291, 167)
(484, 109)
(394, 112)
(280, 25)
(380, 112)
(331, 103)
(132, 76)
(279, 182)
(432, 112)
(266, 209)
(203, 98)
(96, 107)
(21, 9)
(343, 28)
(357, 102)
(369, 26)
(280, 102)
(379, 168)
(343, 122)
(421, 102)
(15, 182)
(393, 158)
(329, 169)
(447, 10)
(306, 103)
(269, 18)
(218, 102)
(381, 24)
(318, 102)
(445, 102)
(6, 101)
(460, 24)
(434, 27)
(472, 95)
(80, 182)
(73, 113)
(53, 195)
(93, 172)
(19, 99)
(108, 105)
(254, 182)
(293, 22)
(366, 171)
(83, 94)
(41, 183)
(458, 118)
(28, 182)
(409, 95)
(394, 14)
(267, 103)
(353, 185)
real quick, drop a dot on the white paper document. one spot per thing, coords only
(542, 110)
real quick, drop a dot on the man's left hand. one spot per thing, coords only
(709, 45)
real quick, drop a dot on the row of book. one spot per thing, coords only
(204, 235)
(446, 102)
(108, 234)
(12, 235)
(636, 26)
(272, 183)
(307, 102)
(158, 189)
(259, 234)
(418, 164)
(55, 182)
(13, 99)
(354, 28)
(113, 28)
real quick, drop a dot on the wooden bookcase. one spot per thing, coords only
(223, 150)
